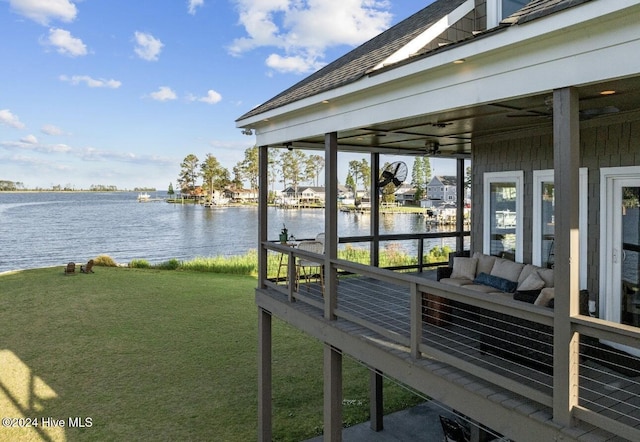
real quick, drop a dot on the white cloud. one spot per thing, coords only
(302, 31)
(147, 46)
(295, 64)
(50, 129)
(65, 43)
(43, 11)
(9, 119)
(91, 82)
(212, 97)
(30, 139)
(193, 4)
(164, 94)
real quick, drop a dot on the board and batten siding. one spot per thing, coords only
(614, 144)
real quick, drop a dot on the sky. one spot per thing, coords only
(119, 92)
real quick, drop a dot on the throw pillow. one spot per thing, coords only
(485, 262)
(496, 282)
(546, 295)
(464, 268)
(506, 269)
(531, 282)
(528, 296)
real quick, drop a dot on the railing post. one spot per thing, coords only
(292, 275)
(415, 321)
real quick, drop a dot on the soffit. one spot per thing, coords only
(453, 131)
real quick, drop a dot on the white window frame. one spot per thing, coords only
(547, 176)
(517, 177)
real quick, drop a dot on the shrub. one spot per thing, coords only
(105, 261)
(172, 264)
(139, 264)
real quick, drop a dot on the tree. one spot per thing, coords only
(350, 183)
(360, 172)
(315, 164)
(214, 176)
(388, 191)
(293, 163)
(249, 169)
(170, 191)
(188, 173)
(420, 176)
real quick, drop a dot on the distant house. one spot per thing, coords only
(242, 195)
(305, 194)
(405, 194)
(442, 188)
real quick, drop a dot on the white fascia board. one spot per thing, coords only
(429, 35)
(548, 53)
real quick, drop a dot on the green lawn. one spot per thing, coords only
(156, 355)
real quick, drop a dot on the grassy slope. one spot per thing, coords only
(156, 355)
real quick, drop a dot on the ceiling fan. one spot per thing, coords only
(394, 174)
(548, 101)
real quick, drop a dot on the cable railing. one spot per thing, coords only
(507, 343)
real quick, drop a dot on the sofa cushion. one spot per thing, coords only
(482, 288)
(456, 282)
(546, 295)
(503, 268)
(526, 271)
(531, 282)
(502, 284)
(464, 268)
(485, 263)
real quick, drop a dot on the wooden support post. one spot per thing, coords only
(331, 224)
(332, 394)
(375, 211)
(376, 409)
(263, 196)
(566, 150)
(265, 419)
(460, 205)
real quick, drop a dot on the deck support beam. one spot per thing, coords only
(566, 149)
(265, 416)
(263, 197)
(376, 407)
(332, 394)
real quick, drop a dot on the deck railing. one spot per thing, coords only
(467, 332)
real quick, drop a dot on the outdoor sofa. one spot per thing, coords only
(509, 336)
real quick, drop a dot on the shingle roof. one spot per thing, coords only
(356, 63)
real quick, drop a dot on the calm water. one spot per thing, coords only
(47, 229)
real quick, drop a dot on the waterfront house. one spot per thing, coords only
(442, 188)
(405, 194)
(544, 100)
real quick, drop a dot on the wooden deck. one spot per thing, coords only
(503, 391)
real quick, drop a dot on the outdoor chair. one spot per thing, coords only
(87, 268)
(320, 239)
(453, 430)
(70, 269)
(305, 267)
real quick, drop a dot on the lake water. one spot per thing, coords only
(48, 229)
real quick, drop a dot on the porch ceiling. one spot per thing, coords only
(453, 130)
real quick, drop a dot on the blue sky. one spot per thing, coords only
(118, 92)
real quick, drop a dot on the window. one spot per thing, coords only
(502, 234)
(497, 10)
(544, 221)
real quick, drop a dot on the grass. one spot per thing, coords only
(156, 355)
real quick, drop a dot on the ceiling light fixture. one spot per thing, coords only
(608, 92)
(459, 61)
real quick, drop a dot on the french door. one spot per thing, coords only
(620, 245)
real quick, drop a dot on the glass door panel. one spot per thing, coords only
(630, 247)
